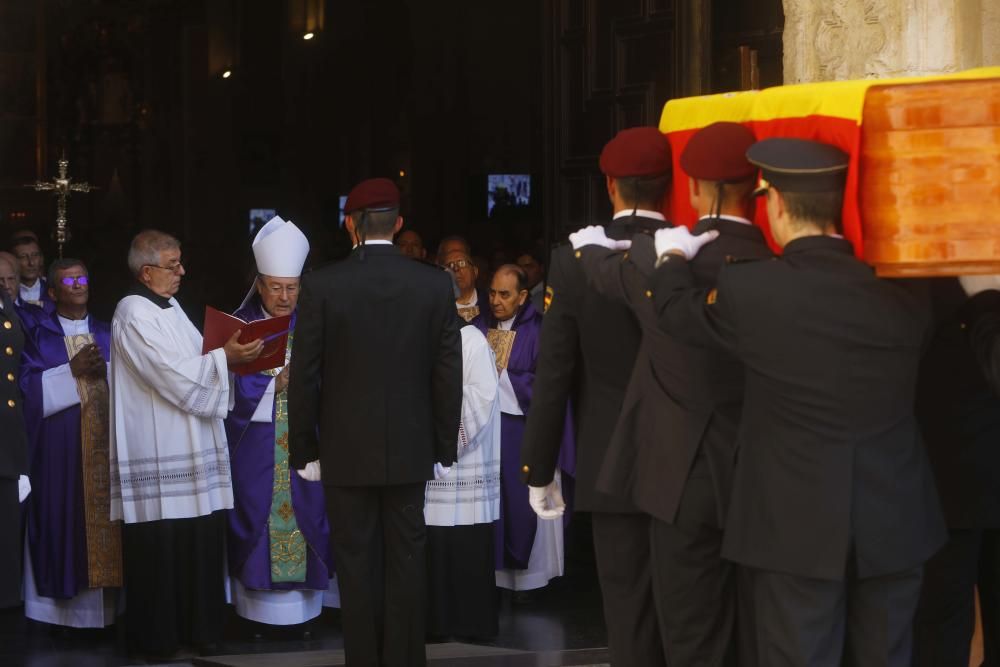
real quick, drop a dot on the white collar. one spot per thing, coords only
(640, 212)
(472, 302)
(374, 242)
(74, 327)
(507, 325)
(731, 218)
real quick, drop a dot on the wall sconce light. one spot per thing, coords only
(306, 17)
(228, 73)
(308, 36)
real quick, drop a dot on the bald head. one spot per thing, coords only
(9, 276)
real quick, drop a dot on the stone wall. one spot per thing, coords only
(826, 40)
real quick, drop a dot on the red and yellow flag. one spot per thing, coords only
(830, 112)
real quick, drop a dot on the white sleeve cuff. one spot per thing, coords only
(58, 390)
(266, 406)
(508, 399)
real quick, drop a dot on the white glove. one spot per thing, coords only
(311, 472)
(547, 501)
(23, 488)
(680, 238)
(973, 285)
(594, 235)
(440, 471)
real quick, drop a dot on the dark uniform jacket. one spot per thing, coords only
(587, 349)
(683, 401)
(958, 410)
(377, 367)
(13, 441)
(832, 478)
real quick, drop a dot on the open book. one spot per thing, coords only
(220, 326)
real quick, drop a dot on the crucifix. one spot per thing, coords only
(62, 186)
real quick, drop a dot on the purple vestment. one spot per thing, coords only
(55, 519)
(251, 454)
(515, 531)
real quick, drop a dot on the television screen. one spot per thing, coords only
(342, 204)
(259, 217)
(505, 191)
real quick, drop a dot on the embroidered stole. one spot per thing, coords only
(287, 544)
(501, 341)
(468, 313)
(104, 547)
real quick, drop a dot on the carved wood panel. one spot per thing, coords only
(610, 64)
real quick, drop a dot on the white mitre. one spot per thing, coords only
(280, 249)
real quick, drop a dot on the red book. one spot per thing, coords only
(220, 326)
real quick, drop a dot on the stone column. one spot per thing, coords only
(827, 40)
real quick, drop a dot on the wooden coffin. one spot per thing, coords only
(929, 178)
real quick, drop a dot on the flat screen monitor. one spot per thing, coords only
(260, 217)
(341, 203)
(507, 191)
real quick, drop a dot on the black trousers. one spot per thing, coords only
(11, 544)
(695, 590)
(174, 590)
(622, 551)
(382, 606)
(803, 622)
(946, 615)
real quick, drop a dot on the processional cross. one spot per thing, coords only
(62, 186)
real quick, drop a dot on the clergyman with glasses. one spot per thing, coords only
(278, 538)
(469, 302)
(73, 568)
(170, 473)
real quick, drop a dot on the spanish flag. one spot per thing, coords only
(830, 112)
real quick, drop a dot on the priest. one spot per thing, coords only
(462, 504)
(278, 535)
(170, 479)
(73, 559)
(529, 549)
(31, 262)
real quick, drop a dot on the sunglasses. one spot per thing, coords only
(69, 281)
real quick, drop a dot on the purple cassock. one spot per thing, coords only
(515, 531)
(252, 459)
(56, 522)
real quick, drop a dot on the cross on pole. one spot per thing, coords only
(62, 186)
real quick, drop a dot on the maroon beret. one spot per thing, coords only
(718, 152)
(636, 151)
(372, 193)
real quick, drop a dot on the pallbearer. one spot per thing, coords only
(278, 536)
(834, 506)
(73, 564)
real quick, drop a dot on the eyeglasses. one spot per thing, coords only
(173, 268)
(275, 290)
(70, 281)
(458, 264)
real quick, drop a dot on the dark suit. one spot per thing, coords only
(587, 350)
(833, 502)
(959, 412)
(675, 446)
(13, 454)
(377, 367)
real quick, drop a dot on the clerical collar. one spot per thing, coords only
(506, 325)
(639, 213)
(732, 218)
(138, 289)
(474, 301)
(74, 327)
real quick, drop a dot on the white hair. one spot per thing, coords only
(146, 248)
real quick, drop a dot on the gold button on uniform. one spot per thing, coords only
(9, 351)
(7, 325)
(649, 294)
(10, 377)
(578, 254)
(10, 403)
(525, 469)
